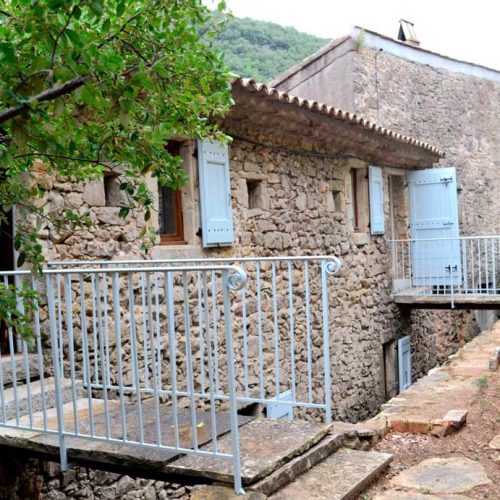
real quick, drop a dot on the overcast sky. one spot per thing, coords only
(467, 30)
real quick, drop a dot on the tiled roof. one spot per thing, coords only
(251, 85)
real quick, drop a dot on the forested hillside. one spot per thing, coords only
(263, 50)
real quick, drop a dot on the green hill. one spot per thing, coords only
(262, 50)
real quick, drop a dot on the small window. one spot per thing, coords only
(256, 194)
(338, 201)
(115, 197)
(170, 218)
(360, 200)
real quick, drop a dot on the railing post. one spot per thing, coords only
(234, 281)
(57, 373)
(331, 268)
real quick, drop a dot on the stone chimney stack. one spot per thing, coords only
(407, 33)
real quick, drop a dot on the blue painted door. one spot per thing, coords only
(435, 249)
(404, 362)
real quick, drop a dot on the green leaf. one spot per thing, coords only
(97, 8)
(123, 212)
(120, 9)
(6, 53)
(21, 259)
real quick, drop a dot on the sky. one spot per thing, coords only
(466, 30)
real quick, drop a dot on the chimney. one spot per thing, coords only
(407, 33)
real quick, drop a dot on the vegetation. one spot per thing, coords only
(262, 50)
(89, 86)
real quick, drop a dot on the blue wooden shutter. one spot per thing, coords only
(376, 183)
(215, 194)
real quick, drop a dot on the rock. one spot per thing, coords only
(456, 418)
(495, 443)
(109, 215)
(442, 475)
(93, 193)
(124, 485)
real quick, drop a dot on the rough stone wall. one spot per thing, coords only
(28, 478)
(301, 209)
(455, 112)
(109, 236)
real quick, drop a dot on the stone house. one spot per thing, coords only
(299, 177)
(400, 84)
(452, 103)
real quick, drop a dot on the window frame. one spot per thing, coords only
(178, 236)
(360, 200)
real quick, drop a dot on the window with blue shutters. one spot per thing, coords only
(215, 194)
(376, 186)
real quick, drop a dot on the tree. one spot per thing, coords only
(93, 85)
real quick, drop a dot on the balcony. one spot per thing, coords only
(446, 273)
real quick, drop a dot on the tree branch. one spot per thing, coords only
(46, 95)
(64, 157)
(56, 41)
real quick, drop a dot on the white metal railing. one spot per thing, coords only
(134, 343)
(467, 265)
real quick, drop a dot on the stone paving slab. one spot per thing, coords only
(442, 476)
(299, 465)
(342, 476)
(422, 407)
(265, 445)
(34, 394)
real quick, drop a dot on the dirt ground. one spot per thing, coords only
(483, 423)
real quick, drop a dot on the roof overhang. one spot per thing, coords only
(265, 111)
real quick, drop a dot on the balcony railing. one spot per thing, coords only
(128, 343)
(467, 266)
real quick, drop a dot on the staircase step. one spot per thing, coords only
(34, 390)
(265, 446)
(299, 465)
(20, 363)
(342, 476)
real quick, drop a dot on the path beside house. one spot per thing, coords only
(463, 464)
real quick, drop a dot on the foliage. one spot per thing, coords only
(262, 50)
(12, 314)
(95, 86)
(89, 86)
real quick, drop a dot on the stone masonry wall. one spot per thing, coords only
(457, 113)
(300, 207)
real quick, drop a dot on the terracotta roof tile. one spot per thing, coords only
(251, 85)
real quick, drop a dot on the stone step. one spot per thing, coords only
(342, 476)
(265, 447)
(299, 465)
(16, 365)
(33, 391)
